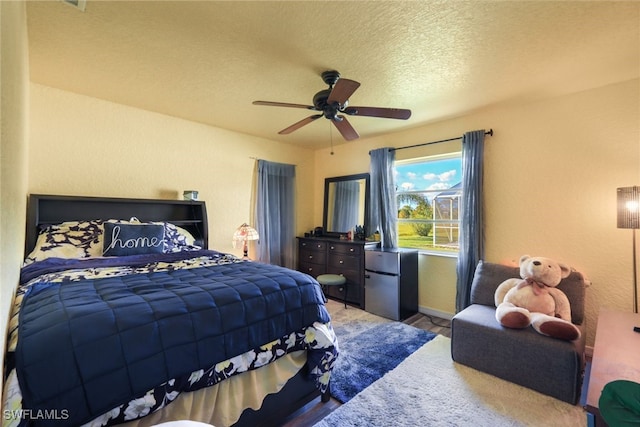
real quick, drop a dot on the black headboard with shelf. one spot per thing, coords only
(44, 210)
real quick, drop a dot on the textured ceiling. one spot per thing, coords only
(207, 61)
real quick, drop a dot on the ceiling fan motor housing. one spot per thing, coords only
(330, 111)
(330, 77)
(320, 99)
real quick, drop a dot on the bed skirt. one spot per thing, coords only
(222, 404)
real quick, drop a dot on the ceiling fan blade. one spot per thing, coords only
(283, 104)
(388, 113)
(299, 124)
(345, 128)
(342, 90)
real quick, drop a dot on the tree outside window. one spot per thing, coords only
(428, 194)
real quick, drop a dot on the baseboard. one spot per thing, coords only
(588, 352)
(436, 313)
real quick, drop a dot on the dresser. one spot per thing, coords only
(319, 255)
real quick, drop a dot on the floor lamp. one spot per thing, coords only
(629, 217)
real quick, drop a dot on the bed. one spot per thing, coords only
(124, 316)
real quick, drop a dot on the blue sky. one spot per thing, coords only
(432, 175)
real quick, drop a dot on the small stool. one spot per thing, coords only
(334, 280)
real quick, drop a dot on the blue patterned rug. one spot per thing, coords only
(367, 356)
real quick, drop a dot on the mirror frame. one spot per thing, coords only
(354, 177)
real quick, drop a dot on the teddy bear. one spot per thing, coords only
(534, 299)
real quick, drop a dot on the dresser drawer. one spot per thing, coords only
(353, 277)
(316, 257)
(314, 245)
(311, 269)
(343, 262)
(353, 287)
(345, 248)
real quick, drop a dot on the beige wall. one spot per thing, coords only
(86, 146)
(14, 75)
(551, 173)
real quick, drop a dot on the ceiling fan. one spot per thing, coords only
(334, 102)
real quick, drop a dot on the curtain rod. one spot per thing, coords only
(271, 161)
(489, 132)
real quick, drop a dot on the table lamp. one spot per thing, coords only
(243, 234)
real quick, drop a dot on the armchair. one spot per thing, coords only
(522, 356)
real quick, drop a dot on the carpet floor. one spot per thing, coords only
(429, 389)
(367, 356)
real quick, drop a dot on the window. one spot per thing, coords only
(428, 192)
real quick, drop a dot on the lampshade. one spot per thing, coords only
(629, 217)
(629, 207)
(245, 232)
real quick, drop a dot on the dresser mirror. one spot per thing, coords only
(346, 202)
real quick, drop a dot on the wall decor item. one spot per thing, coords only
(190, 194)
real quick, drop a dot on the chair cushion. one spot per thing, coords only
(522, 356)
(331, 279)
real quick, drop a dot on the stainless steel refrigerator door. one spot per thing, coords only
(385, 262)
(382, 294)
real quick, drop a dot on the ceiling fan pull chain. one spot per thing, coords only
(331, 137)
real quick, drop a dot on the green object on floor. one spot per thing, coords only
(619, 403)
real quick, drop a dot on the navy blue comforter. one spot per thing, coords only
(88, 346)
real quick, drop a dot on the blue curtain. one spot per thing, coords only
(383, 211)
(346, 206)
(275, 214)
(472, 222)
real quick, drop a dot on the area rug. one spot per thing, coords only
(370, 346)
(429, 389)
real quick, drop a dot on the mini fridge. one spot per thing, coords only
(391, 282)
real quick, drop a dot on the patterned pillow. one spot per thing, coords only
(85, 239)
(176, 239)
(72, 239)
(123, 239)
